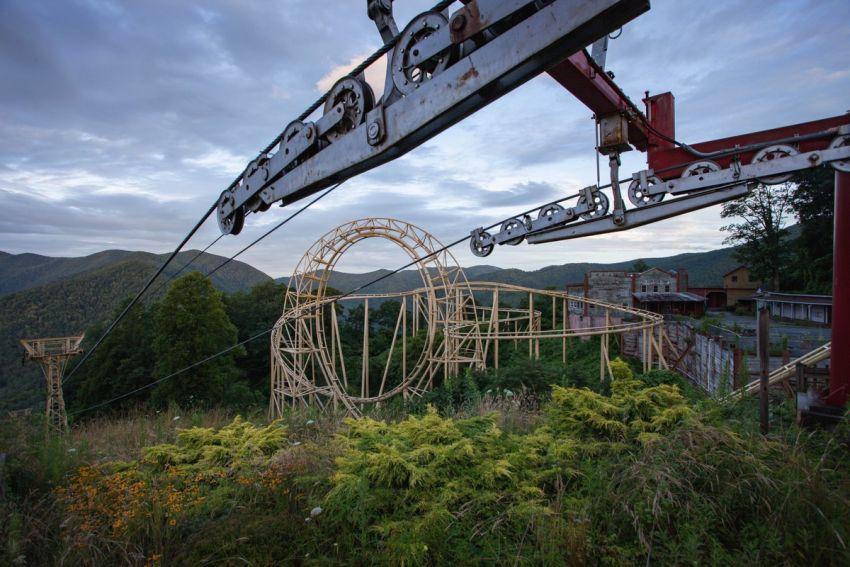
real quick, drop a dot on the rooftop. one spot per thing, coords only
(666, 296)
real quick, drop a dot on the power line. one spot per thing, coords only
(187, 264)
(267, 331)
(173, 374)
(274, 228)
(138, 296)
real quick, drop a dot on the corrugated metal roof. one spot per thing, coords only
(775, 297)
(666, 296)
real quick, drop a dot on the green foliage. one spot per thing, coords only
(416, 491)
(253, 312)
(191, 324)
(47, 297)
(123, 362)
(760, 230)
(621, 369)
(813, 203)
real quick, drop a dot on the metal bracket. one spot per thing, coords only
(376, 126)
(381, 12)
(641, 216)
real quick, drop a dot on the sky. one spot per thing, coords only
(121, 121)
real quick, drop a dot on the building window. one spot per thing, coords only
(734, 278)
(655, 288)
(643, 288)
(667, 287)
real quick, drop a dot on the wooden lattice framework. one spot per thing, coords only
(52, 355)
(441, 327)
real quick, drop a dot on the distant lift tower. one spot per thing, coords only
(53, 355)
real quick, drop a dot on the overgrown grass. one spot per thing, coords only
(633, 472)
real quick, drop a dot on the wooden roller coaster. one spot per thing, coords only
(443, 326)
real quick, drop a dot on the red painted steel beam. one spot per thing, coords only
(580, 75)
(839, 370)
(667, 162)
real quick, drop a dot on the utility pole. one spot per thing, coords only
(764, 365)
(53, 355)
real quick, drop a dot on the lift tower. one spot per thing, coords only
(53, 355)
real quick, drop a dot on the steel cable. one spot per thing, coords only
(138, 296)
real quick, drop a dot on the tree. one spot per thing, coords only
(814, 204)
(122, 363)
(253, 312)
(760, 231)
(640, 266)
(191, 324)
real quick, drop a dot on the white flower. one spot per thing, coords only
(307, 520)
(310, 422)
(315, 511)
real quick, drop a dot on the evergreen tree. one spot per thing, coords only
(122, 363)
(253, 312)
(192, 324)
(814, 204)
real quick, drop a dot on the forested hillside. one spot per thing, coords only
(25, 271)
(704, 268)
(71, 304)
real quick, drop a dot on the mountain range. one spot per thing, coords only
(705, 269)
(41, 296)
(47, 296)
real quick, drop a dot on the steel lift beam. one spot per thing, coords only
(704, 174)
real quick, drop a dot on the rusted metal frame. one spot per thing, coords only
(670, 162)
(839, 380)
(594, 88)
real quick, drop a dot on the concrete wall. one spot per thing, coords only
(655, 280)
(708, 363)
(612, 287)
(576, 307)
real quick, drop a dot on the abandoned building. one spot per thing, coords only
(655, 290)
(740, 286)
(797, 307)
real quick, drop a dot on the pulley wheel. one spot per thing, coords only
(771, 153)
(406, 76)
(547, 212)
(511, 227)
(844, 164)
(600, 206)
(357, 99)
(640, 197)
(699, 168)
(481, 245)
(232, 223)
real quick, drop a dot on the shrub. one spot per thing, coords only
(432, 489)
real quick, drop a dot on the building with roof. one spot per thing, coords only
(715, 297)
(797, 307)
(740, 287)
(657, 290)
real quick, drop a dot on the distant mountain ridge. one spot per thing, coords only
(45, 296)
(25, 271)
(705, 269)
(58, 296)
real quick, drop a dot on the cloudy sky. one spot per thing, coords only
(121, 121)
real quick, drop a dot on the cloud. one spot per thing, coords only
(218, 159)
(120, 122)
(375, 74)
